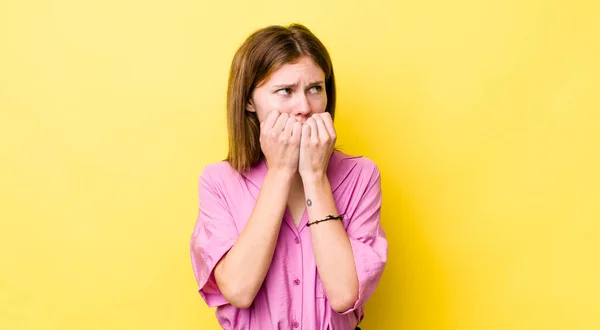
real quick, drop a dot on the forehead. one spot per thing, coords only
(305, 69)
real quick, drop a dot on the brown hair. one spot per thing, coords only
(263, 52)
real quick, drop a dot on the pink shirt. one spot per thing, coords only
(292, 295)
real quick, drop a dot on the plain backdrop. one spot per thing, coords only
(482, 116)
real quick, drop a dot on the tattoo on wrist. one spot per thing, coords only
(309, 202)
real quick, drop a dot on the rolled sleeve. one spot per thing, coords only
(214, 234)
(368, 241)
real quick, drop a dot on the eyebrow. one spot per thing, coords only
(314, 83)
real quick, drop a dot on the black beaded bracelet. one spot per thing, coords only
(329, 217)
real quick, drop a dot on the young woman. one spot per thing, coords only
(288, 233)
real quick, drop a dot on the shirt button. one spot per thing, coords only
(296, 282)
(296, 240)
(295, 324)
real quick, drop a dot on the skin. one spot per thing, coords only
(297, 137)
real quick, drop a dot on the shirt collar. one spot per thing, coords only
(337, 170)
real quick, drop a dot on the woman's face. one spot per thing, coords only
(297, 89)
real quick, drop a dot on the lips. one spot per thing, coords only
(301, 120)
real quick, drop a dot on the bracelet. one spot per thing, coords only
(329, 217)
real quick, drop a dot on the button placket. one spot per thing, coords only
(296, 282)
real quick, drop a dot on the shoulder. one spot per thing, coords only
(352, 171)
(362, 165)
(216, 169)
(218, 174)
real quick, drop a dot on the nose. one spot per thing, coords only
(302, 106)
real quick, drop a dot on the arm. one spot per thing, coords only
(350, 261)
(331, 247)
(230, 267)
(242, 271)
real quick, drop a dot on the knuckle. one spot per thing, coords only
(270, 135)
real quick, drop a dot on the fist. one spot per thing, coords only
(316, 145)
(280, 141)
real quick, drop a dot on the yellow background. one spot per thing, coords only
(482, 116)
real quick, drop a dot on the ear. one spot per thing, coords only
(250, 106)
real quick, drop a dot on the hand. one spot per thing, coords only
(316, 146)
(280, 142)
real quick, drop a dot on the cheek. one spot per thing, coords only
(281, 104)
(264, 105)
(318, 104)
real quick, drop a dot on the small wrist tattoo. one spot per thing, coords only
(308, 202)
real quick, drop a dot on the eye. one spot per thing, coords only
(284, 91)
(316, 89)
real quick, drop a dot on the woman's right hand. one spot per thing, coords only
(280, 142)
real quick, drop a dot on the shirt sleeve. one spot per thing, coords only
(214, 234)
(367, 238)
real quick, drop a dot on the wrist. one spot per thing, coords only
(281, 175)
(314, 178)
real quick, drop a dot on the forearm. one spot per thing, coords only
(241, 272)
(331, 246)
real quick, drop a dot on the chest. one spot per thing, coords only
(296, 207)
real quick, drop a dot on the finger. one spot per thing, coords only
(314, 131)
(270, 120)
(280, 124)
(289, 127)
(323, 133)
(328, 121)
(297, 132)
(305, 139)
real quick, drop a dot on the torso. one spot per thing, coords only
(292, 294)
(296, 202)
(296, 205)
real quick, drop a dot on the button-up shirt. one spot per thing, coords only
(292, 294)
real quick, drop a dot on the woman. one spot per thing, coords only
(288, 233)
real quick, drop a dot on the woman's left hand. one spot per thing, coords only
(316, 146)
